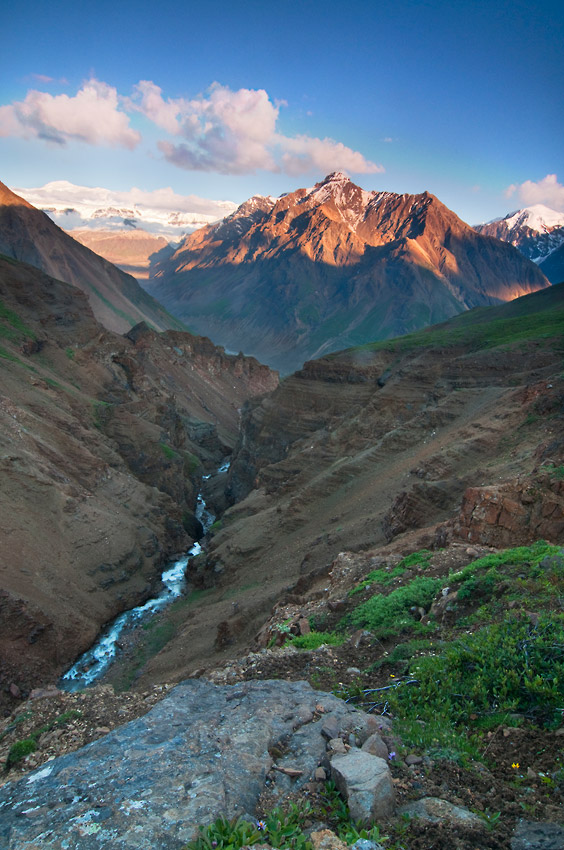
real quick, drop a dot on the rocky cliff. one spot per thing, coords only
(331, 266)
(103, 441)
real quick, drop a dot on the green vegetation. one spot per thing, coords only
(534, 317)
(14, 327)
(112, 307)
(7, 355)
(387, 577)
(495, 666)
(98, 415)
(390, 615)
(314, 640)
(70, 352)
(20, 749)
(156, 634)
(168, 451)
(280, 828)
(284, 826)
(191, 463)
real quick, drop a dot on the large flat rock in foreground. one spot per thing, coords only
(202, 751)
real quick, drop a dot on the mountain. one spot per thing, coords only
(553, 265)
(117, 300)
(129, 250)
(537, 231)
(103, 443)
(331, 266)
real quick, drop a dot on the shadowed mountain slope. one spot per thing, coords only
(117, 300)
(319, 269)
(103, 442)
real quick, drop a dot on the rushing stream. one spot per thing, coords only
(95, 661)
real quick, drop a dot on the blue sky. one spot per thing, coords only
(227, 100)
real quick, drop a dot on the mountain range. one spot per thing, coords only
(288, 279)
(538, 232)
(116, 298)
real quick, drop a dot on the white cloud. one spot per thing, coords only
(225, 131)
(91, 116)
(234, 132)
(163, 113)
(228, 131)
(547, 191)
(160, 211)
(304, 153)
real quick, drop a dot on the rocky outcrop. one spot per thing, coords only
(321, 269)
(203, 751)
(515, 513)
(103, 440)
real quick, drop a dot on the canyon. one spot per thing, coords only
(104, 441)
(446, 442)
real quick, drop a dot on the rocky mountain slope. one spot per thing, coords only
(323, 268)
(369, 556)
(103, 442)
(433, 437)
(538, 232)
(129, 250)
(117, 300)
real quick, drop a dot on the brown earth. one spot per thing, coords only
(129, 250)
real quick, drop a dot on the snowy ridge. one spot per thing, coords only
(538, 217)
(162, 212)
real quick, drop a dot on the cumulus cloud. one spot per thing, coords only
(91, 116)
(304, 153)
(148, 99)
(234, 132)
(547, 191)
(225, 131)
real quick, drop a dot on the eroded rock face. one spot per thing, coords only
(515, 513)
(202, 751)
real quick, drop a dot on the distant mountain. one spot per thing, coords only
(129, 250)
(332, 266)
(161, 212)
(537, 232)
(117, 300)
(553, 265)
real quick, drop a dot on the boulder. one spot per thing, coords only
(366, 784)
(202, 751)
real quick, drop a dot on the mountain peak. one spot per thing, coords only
(335, 177)
(10, 199)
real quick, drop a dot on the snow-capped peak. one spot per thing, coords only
(537, 217)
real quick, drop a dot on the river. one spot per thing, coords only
(93, 663)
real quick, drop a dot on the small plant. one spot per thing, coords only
(314, 640)
(70, 352)
(281, 828)
(489, 818)
(390, 615)
(19, 750)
